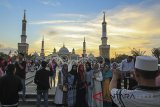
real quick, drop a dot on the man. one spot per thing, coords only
(10, 85)
(146, 94)
(21, 72)
(126, 68)
(42, 81)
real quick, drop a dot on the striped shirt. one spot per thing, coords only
(140, 97)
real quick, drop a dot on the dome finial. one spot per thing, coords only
(104, 17)
(63, 45)
(24, 17)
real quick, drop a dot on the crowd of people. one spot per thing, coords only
(133, 83)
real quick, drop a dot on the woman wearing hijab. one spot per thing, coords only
(81, 87)
(107, 74)
(89, 82)
(97, 89)
(61, 90)
(72, 78)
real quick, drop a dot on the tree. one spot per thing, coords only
(119, 58)
(156, 53)
(138, 52)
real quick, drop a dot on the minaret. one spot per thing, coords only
(84, 48)
(54, 50)
(24, 22)
(23, 46)
(42, 49)
(73, 51)
(104, 49)
(104, 33)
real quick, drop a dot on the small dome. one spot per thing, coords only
(35, 54)
(90, 55)
(63, 50)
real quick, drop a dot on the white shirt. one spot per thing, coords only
(127, 66)
(136, 98)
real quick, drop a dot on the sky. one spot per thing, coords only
(130, 24)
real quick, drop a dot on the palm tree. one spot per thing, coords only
(156, 52)
(138, 52)
(119, 57)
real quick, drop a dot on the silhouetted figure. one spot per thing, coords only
(10, 85)
(21, 72)
(53, 66)
(42, 81)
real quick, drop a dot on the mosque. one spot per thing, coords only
(65, 54)
(104, 48)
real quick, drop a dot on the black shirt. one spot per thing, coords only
(42, 79)
(19, 71)
(10, 85)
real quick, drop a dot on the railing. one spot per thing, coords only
(29, 80)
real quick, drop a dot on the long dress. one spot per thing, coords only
(89, 89)
(61, 95)
(107, 101)
(97, 90)
(71, 95)
(59, 91)
(81, 93)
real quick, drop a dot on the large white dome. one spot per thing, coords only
(63, 50)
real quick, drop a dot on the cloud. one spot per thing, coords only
(54, 22)
(129, 26)
(50, 2)
(71, 15)
(6, 50)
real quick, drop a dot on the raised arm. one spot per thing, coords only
(115, 77)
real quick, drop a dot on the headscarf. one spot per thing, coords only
(74, 72)
(114, 64)
(65, 71)
(81, 71)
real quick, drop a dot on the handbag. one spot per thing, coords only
(65, 89)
